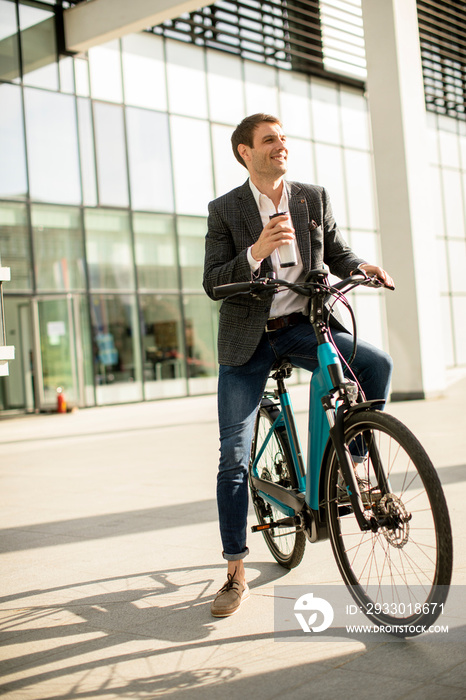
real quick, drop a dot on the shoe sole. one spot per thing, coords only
(229, 614)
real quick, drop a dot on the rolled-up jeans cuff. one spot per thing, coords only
(235, 557)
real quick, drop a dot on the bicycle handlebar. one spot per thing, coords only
(316, 280)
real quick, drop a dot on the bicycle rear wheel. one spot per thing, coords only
(400, 573)
(286, 544)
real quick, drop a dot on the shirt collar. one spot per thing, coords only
(257, 196)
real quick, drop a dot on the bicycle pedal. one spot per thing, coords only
(286, 522)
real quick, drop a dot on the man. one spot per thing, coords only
(242, 242)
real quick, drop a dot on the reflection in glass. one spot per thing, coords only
(191, 243)
(15, 246)
(52, 147)
(105, 72)
(149, 160)
(38, 46)
(144, 71)
(162, 345)
(457, 264)
(13, 180)
(87, 152)
(57, 347)
(186, 80)
(201, 321)
(9, 53)
(191, 165)
(154, 238)
(58, 248)
(111, 157)
(117, 364)
(108, 249)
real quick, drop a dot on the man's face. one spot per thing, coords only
(268, 156)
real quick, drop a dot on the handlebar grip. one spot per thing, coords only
(227, 290)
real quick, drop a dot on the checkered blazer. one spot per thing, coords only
(234, 224)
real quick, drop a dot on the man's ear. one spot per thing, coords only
(243, 151)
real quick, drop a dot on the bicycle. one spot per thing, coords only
(369, 486)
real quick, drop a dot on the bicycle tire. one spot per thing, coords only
(400, 574)
(285, 544)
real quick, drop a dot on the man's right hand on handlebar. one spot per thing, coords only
(276, 233)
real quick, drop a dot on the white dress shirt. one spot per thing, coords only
(285, 302)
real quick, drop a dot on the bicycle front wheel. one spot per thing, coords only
(399, 574)
(286, 544)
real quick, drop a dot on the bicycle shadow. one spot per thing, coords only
(170, 605)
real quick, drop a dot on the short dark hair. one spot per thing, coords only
(244, 132)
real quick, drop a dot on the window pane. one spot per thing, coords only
(457, 260)
(58, 248)
(448, 140)
(155, 247)
(65, 67)
(38, 45)
(191, 242)
(261, 88)
(330, 175)
(228, 172)
(9, 54)
(295, 104)
(201, 319)
(149, 160)
(325, 112)
(105, 72)
(359, 184)
(15, 246)
(459, 314)
(354, 120)
(192, 165)
(117, 364)
(108, 249)
(226, 94)
(111, 157)
(452, 197)
(87, 152)
(81, 69)
(144, 71)
(163, 350)
(300, 161)
(13, 180)
(186, 80)
(52, 147)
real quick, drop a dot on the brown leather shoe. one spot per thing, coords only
(229, 598)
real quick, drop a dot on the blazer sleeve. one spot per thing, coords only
(223, 262)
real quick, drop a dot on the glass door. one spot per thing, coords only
(58, 337)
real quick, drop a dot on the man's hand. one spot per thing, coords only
(372, 270)
(277, 232)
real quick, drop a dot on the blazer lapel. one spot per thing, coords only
(250, 212)
(300, 217)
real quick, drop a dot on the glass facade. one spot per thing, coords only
(108, 163)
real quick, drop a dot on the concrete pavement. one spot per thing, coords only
(110, 556)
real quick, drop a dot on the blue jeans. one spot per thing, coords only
(239, 394)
